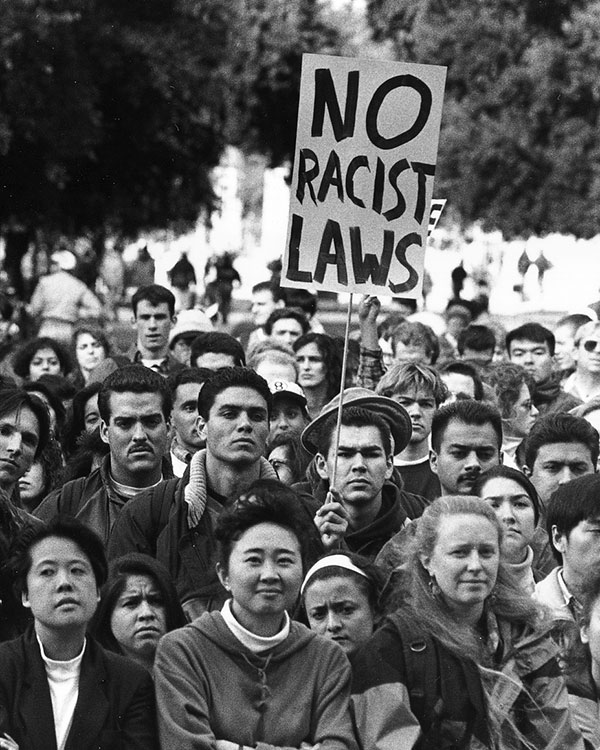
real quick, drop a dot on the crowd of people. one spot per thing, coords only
(194, 554)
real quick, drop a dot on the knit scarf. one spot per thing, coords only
(195, 493)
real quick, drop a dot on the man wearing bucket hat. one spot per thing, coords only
(364, 508)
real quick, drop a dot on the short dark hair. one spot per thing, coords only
(507, 379)
(121, 568)
(469, 412)
(134, 379)
(27, 352)
(63, 527)
(302, 299)
(464, 368)
(188, 375)
(476, 337)
(402, 376)
(218, 342)
(531, 332)
(417, 334)
(560, 428)
(155, 294)
(13, 399)
(353, 416)
(282, 313)
(571, 503)
(232, 377)
(270, 286)
(265, 501)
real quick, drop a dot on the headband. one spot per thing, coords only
(332, 561)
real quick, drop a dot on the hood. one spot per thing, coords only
(213, 626)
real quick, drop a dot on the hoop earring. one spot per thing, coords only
(434, 588)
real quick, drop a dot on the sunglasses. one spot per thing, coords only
(591, 346)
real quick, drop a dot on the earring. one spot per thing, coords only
(434, 589)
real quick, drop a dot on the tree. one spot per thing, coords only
(110, 112)
(519, 147)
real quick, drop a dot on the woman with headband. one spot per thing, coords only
(340, 594)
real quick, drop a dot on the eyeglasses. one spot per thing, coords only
(591, 345)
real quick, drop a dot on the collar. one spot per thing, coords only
(161, 366)
(255, 643)
(179, 451)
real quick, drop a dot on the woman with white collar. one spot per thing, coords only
(248, 676)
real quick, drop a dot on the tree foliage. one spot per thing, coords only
(520, 140)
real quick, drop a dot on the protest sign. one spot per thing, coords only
(362, 182)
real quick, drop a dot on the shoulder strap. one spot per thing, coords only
(422, 679)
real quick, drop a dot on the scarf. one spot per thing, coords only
(195, 493)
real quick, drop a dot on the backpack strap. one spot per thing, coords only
(422, 677)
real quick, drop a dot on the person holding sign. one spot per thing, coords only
(364, 508)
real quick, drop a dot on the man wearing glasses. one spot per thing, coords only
(584, 383)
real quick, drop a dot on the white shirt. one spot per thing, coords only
(63, 681)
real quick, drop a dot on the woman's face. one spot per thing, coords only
(280, 461)
(523, 416)
(263, 575)
(311, 367)
(91, 415)
(89, 351)
(31, 484)
(464, 563)
(515, 511)
(139, 619)
(44, 362)
(338, 608)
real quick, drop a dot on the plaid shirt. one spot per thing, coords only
(370, 368)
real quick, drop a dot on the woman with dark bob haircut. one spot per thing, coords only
(249, 676)
(138, 605)
(39, 356)
(58, 687)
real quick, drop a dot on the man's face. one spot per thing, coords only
(19, 438)
(214, 360)
(286, 331)
(466, 450)
(420, 405)
(362, 465)
(137, 436)
(580, 550)
(411, 353)
(287, 417)
(558, 463)
(237, 427)
(587, 355)
(184, 417)
(263, 305)
(153, 323)
(564, 347)
(533, 356)
(483, 357)
(61, 588)
(457, 383)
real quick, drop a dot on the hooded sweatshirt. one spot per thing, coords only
(210, 687)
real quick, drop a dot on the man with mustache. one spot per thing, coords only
(174, 521)
(135, 408)
(466, 437)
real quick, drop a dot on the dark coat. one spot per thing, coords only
(115, 709)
